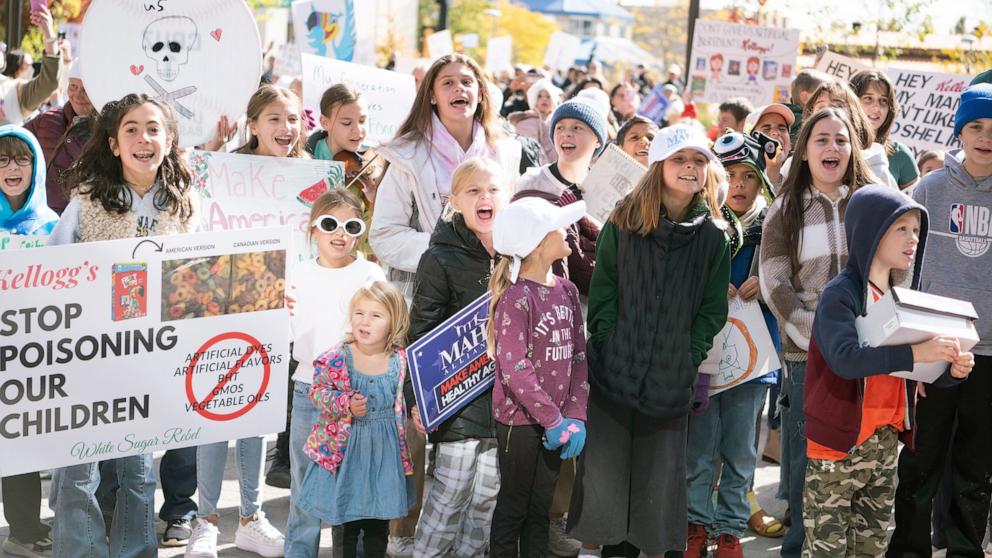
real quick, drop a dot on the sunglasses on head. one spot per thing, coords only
(329, 224)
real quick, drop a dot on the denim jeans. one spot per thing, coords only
(303, 529)
(210, 462)
(79, 529)
(725, 430)
(794, 454)
(177, 473)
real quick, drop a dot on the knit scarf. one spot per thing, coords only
(739, 225)
(446, 154)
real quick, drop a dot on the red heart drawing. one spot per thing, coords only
(216, 33)
(137, 69)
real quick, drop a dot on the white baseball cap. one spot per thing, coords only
(676, 138)
(521, 226)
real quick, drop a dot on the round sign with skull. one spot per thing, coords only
(204, 57)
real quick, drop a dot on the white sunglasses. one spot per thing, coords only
(329, 223)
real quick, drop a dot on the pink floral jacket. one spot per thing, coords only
(331, 394)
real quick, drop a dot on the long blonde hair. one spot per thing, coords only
(419, 124)
(498, 283)
(389, 296)
(640, 211)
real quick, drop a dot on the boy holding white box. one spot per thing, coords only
(855, 410)
(959, 198)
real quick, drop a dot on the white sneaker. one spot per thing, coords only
(203, 542)
(400, 547)
(260, 537)
(559, 543)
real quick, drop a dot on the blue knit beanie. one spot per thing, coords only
(976, 102)
(587, 114)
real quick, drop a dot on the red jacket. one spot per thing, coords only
(50, 128)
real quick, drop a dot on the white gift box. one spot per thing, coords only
(906, 317)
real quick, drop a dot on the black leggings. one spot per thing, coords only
(375, 537)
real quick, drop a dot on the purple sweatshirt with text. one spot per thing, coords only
(541, 371)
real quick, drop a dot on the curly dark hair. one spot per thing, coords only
(100, 174)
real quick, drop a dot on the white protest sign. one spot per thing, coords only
(332, 28)
(439, 44)
(251, 191)
(468, 40)
(562, 51)
(19, 242)
(731, 59)
(202, 56)
(131, 346)
(406, 64)
(742, 351)
(288, 62)
(72, 31)
(612, 177)
(388, 95)
(499, 54)
(926, 102)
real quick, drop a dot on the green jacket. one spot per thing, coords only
(645, 294)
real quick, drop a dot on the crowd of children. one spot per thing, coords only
(613, 446)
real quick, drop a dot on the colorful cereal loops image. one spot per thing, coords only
(257, 281)
(195, 288)
(229, 284)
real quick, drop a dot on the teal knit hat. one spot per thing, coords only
(587, 114)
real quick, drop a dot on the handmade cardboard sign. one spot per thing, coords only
(388, 95)
(612, 177)
(562, 51)
(742, 351)
(203, 57)
(251, 191)
(131, 346)
(731, 60)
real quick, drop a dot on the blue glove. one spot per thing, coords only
(556, 437)
(575, 443)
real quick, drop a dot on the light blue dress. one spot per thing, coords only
(370, 483)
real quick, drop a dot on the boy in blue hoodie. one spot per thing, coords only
(24, 204)
(23, 211)
(959, 198)
(855, 410)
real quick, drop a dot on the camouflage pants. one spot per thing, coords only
(847, 504)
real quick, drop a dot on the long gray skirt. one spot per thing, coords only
(631, 483)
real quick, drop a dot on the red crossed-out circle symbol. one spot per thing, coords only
(254, 345)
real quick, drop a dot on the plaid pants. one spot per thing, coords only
(458, 510)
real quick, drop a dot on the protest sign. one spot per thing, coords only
(204, 57)
(131, 346)
(449, 366)
(18, 242)
(406, 64)
(655, 104)
(562, 51)
(440, 43)
(72, 31)
(252, 191)
(332, 28)
(731, 59)
(499, 54)
(926, 102)
(468, 40)
(742, 351)
(388, 95)
(612, 177)
(288, 62)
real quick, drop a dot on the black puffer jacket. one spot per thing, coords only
(453, 272)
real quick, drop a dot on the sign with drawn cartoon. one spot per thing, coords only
(742, 351)
(734, 60)
(204, 57)
(326, 28)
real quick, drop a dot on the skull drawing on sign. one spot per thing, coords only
(168, 41)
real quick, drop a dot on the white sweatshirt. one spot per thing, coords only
(320, 317)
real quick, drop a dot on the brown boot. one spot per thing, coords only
(773, 448)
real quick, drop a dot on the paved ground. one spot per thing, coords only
(277, 504)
